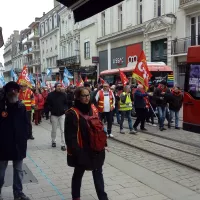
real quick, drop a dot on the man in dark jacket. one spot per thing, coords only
(140, 107)
(161, 93)
(175, 103)
(57, 103)
(70, 97)
(14, 136)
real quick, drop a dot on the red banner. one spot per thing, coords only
(141, 72)
(23, 78)
(123, 78)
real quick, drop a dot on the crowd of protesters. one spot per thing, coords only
(80, 113)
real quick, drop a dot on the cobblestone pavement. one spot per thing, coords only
(182, 175)
(54, 176)
(181, 153)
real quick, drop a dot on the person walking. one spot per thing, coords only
(45, 93)
(140, 107)
(81, 153)
(161, 93)
(106, 105)
(175, 103)
(125, 108)
(70, 96)
(27, 97)
(57, 103)
(39, 106)
(14, 135)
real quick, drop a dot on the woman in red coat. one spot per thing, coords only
(39, 106)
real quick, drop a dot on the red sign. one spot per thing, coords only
(132, 54)
(95, 59)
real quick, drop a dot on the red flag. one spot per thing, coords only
(23, 78)
(72, 82)
(123, 78)
(86, 79)
(81, 82)
(101, 81)
(141, 72)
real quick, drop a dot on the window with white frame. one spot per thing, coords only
(157, 8)
(195, 30)
(139, 11)
(50, 23)
(103, 24)
(46, 26)
(42, 28)
(120, 17)
(87, 50)
(55, 20)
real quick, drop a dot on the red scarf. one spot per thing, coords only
(162, 89)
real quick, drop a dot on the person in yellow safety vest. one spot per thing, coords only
(27, 97)
(125, 108)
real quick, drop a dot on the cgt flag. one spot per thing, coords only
(123, 78)
(23, 78)
(141, 72)
(1, 38)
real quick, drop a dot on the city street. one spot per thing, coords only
(130, 173)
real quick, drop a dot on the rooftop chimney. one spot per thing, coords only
(44, 14)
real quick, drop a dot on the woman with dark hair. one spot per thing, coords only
(80, 154)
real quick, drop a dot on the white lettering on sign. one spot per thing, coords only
(118, 60)
(132, 59)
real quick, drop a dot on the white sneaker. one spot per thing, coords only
(154, 125)
(111, 135)
(148, 123)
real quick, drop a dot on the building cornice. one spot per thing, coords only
(132, 31)
(49, 33)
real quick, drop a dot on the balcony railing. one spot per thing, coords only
(32, 62)
(73, 60)
(28, 51)
(180, 46)
(188, 3)
(34, 35)
(36, 48)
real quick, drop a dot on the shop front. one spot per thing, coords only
(125, 56)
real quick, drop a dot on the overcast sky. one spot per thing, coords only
(19, 14)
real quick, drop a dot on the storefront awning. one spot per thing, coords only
(84, 9)
(153, 67)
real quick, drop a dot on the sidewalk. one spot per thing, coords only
(54, 176)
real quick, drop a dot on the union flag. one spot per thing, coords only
(123, 78)
(23, 78)
(141, 72)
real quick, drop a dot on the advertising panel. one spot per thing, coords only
(194, 81)
(118, 57)
(132, 53)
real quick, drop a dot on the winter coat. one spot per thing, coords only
(161, 100)
(139, 100)
(39, 101)
(57, 103)
(70, 99)
(175, 101)
(13, 132)
(80, 157)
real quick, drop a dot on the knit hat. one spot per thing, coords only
(11, 86)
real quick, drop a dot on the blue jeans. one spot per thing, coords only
(176, 113)
(116, 110)
(128, 115)
(98, 182)
(17, 176)
(161, 115)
